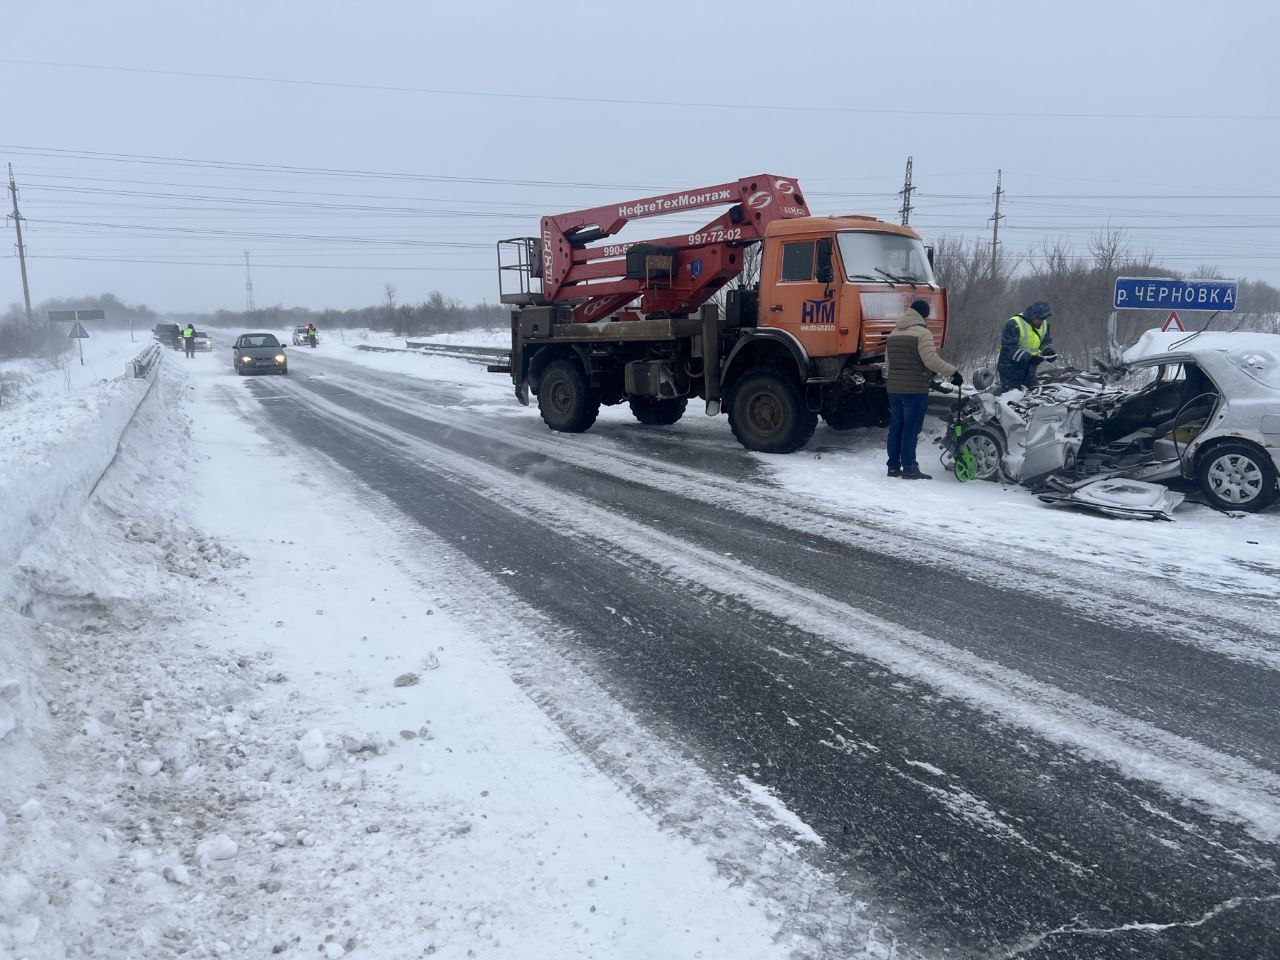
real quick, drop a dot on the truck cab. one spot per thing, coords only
(839, 284)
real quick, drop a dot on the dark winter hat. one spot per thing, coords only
(1038, 311)
(921, 307)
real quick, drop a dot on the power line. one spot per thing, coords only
(624, 101)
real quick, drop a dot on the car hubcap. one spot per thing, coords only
(985, 453)
(765, 413)
(1235, 478)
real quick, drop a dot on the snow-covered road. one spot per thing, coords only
(366, 660)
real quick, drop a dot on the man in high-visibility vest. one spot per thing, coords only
(1024, 345)
(189, 339)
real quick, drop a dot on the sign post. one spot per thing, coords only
(73, 317)
(80, 335)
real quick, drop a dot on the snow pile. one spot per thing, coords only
(57, 447)
(53, 453)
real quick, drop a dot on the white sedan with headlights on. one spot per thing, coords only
(259, 353)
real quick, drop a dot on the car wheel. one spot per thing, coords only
(285, 371)
(767, 412)
(988, 452)
(1237, 476)
(654, 412)
(565, 399)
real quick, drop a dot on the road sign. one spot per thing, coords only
(1173, 323)
(78, 333)
(1164, 293)
(75, 316)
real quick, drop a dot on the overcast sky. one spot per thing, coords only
(1159, 118)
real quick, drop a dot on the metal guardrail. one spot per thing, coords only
(142, 365)
(476, 354)
(471, 354)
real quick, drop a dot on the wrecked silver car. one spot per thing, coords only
(1200, 408)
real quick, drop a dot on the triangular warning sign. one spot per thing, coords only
(78, 332)
(1173, 323)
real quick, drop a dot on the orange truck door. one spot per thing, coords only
(793, 299)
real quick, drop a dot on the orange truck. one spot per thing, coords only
(655, 323)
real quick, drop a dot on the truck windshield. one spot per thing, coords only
(872, 256)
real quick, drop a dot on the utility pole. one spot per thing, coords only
(995, 222)
(248, 286)
(905, 194)
(22, 251)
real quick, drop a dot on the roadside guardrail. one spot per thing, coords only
(142, 365)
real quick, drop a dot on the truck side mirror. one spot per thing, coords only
(825, 272)
(928, 252)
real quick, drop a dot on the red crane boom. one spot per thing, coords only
(673, 275)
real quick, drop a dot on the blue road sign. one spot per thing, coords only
(1163, 293)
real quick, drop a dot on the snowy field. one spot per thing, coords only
(246, 711)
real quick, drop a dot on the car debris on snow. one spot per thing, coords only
(1134, 499)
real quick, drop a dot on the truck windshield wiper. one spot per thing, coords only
(865, 276)
(886, 273)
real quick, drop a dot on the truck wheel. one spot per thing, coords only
(565, 400)
(1237, 476)
(988, 452)
(653, 412)
(767, 412)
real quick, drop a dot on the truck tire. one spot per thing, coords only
(565, 399)
(767, 412)
(1237, 476)
(653, 412)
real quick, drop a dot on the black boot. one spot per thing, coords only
(915, 475)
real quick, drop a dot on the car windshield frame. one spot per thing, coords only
(268, 340)
(884, 257)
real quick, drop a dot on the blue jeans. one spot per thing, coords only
(906, 417)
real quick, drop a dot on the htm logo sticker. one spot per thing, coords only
(818, 311)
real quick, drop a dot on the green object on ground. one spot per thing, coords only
(966, 467)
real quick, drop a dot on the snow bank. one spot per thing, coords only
(56, 448)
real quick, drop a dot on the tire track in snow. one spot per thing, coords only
(1186, 612)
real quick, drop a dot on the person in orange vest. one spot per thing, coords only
(1025, 343)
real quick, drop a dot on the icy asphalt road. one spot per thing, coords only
(1001, 758)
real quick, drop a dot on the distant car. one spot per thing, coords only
(167, 334)
(203, 341)
(301, 336)
(259, 353)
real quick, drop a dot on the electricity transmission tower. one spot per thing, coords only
(22, 251)
(905, 194)
(248, 286)
(995, 223)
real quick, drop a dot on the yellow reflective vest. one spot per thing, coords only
(1029, 337)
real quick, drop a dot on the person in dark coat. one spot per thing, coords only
(911, 362)
(1025, 343)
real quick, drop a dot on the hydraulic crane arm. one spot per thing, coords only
(694, 265)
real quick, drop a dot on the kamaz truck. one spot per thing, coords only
(655, 323)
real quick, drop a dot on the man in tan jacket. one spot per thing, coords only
(911, 361)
